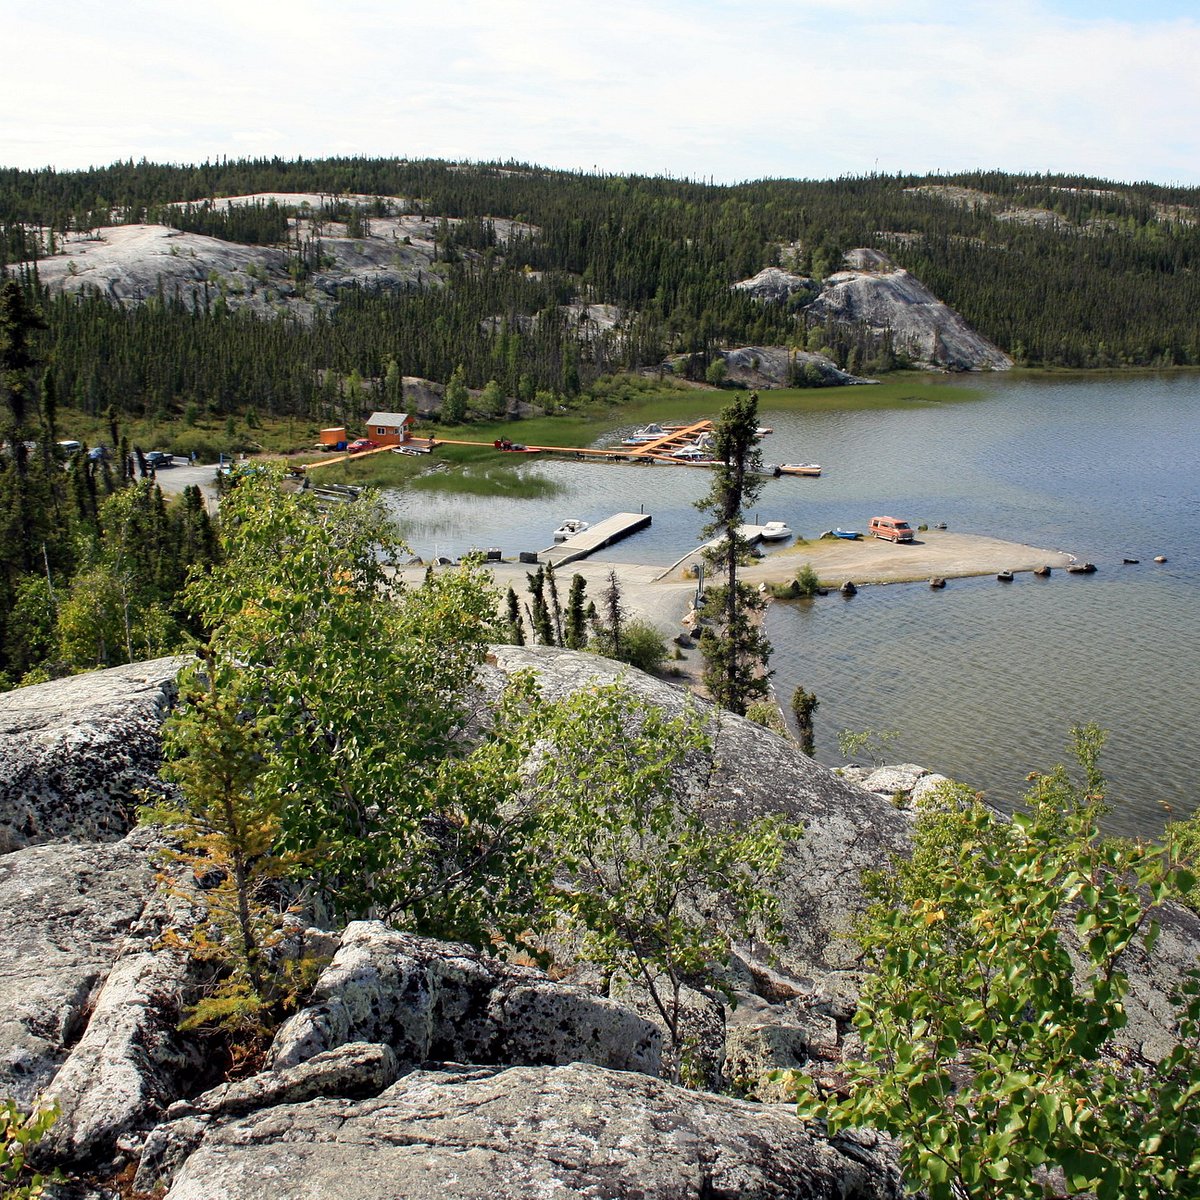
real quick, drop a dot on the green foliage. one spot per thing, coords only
(804, 705)
(228, 834)
(658, 887)
(20, 1132)
(999, 977)
(874, 743)
(766, 713)
(808, 583)
(575, 634)
(804, 586)
(361, 690)
(665, 251)
(1184, 838)
(641, 645)
(454, 401)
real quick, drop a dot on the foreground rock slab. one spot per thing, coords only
(65, 914)
(432, 1000)
(77, 754)
(526, 1132)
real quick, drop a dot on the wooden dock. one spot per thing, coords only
(596, 537)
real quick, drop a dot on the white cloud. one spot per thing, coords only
(775, 87)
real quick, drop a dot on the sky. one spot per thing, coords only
(699, 89)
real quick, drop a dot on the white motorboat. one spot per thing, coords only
(569, 528)
(691, 454)
(774, 531)
(645, 435)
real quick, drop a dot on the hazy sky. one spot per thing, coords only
(696, 88)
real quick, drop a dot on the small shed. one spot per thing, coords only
(389, 429)
(332, 438)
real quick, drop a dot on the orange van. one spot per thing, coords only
(891, 528)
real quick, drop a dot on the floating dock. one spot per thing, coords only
(594, 538)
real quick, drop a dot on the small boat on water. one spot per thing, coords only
(763, 430)
(1081, 568)
(798, 469)
(569, 528)
(774, 531)
(851, 535)
(648, 433)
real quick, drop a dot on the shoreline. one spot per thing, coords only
(663, 596)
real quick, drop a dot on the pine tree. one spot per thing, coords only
(516, 626)
(454, 402)
(576, 629)
(736, 655)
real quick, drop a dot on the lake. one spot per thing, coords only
(980, 681)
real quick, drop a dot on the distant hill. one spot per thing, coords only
(543, 280)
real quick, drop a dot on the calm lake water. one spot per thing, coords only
(982, 680)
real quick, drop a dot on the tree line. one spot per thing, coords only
(1107, 278)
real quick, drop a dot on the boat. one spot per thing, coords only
(851, 535)
(1004, 576)
(763, 430)
(569, 528)
(648, 433)
(798, 469)
(1081, 568)
(691, 454)
(774, 531)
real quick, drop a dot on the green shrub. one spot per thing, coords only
(642, 645)
(807, 582)
(766, 713)
(19, 1133)
(988, 1043)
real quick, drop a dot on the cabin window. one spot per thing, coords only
(380, 429)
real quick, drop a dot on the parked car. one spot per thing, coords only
(361, 444)
(159, 458)
(891, 528)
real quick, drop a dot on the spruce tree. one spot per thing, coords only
(735, 656)
(576, 630)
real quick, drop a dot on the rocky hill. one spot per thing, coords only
(421, 1068)
(873, 292)
(131, 264)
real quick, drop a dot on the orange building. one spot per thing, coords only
(389, 429)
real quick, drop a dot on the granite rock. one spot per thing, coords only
(77, 754)
(522, 1133)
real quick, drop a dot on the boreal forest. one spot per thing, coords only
(1057, 271)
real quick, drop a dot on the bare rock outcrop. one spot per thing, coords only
(357, 1070)
(432, 1000)
(77, 754)
(65, 914)
(531, 1132)
(777, 366)
(775, 285)
(885, 299)
(90, 1000)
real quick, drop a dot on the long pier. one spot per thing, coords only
(594, 538)
(660, 450)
